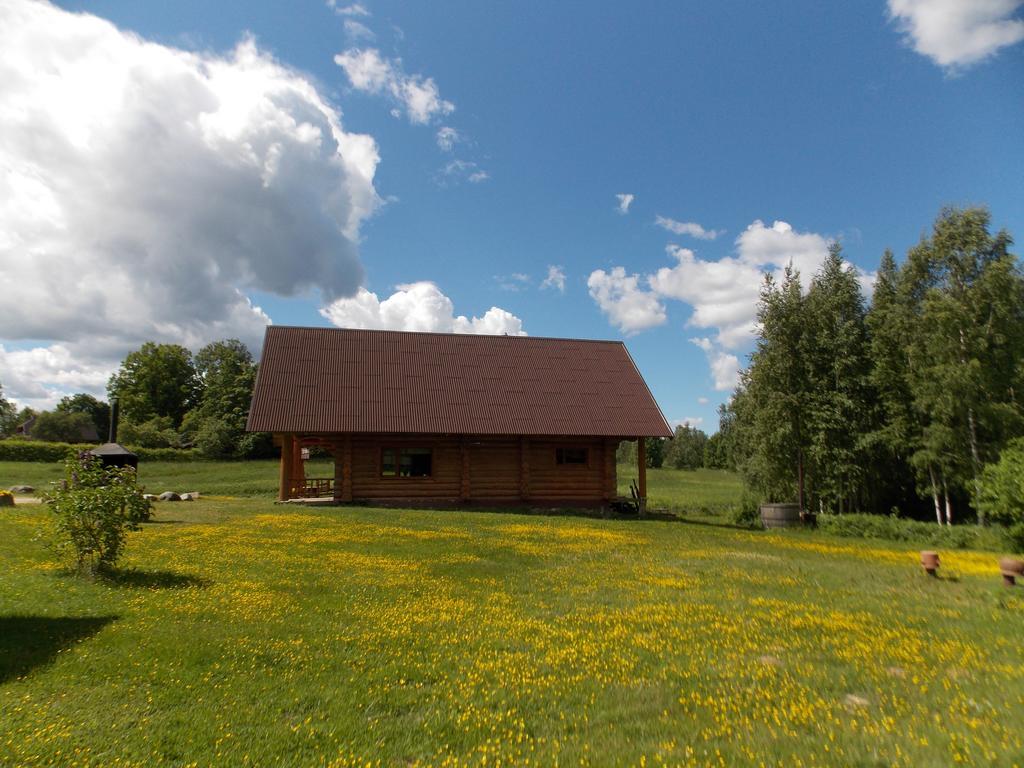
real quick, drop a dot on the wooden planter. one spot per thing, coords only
(780, 515)
(1012, 569)
(930, 562)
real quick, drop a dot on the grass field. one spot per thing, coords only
(241, 632)
(707, 490)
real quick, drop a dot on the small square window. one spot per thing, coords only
(406, 462)
(570, 456)
(416, 462)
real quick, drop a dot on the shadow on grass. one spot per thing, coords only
(27, 642)
(708, 523)
(133, 578)
(591, 513)
(650, 516)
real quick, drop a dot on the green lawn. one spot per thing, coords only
(701, 490)
(219, 478)
(249, 633)
(707, 491)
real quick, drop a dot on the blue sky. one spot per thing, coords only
(503, 135)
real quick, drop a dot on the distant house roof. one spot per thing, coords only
(87, 433)
(110, 449)
(338, 380)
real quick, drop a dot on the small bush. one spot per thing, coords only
(256, 445)
(894, 528)
(61, 426)
(747, 513)
(164, 454)
(215, 438)
(1013, 538)
(158, 432)
(94, 508)
(36, 450)
(1001, 495)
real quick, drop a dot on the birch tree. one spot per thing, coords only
(964, 295)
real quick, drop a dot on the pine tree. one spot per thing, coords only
(837, 363)
(773, 397)
(896, 430)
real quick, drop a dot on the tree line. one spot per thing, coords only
(903, 404)
(688, 448)
(168, 398)
(911, 403)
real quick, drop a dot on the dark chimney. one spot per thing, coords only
(110, 453)
(112, 438)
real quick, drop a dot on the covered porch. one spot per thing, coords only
(294, 483)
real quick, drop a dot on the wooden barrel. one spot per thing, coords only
(780, 515)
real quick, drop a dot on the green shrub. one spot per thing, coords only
(1001, 496)
(158, 432)
(256, 445)
(93, 510)
(1013, 538)
(894, 528)
(747, 513)
(164, 454)
(216, 439)
(36, 450)
(61, 426)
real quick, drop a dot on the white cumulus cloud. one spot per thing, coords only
(693, 422)
(370, 72)
(555, 278)
(354, 9)
(515, 282)
(447, 138)
(958, 33)
(627, 305)
(40, 376)
(725, 366)
(625, 200)
(457, 171)
(780, 244)
(722, 293)
(686, 228)
(356, 31)
(144, 189)
(418, 306)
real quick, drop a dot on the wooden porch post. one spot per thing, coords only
(284, 492)
(524, 468)
(608, 489)
(336, 451)
(346, 468)
(641, 469)
(298, 465)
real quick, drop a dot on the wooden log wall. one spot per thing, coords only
(495, 468)
(367, 483)
(567, 482)
(468, 468)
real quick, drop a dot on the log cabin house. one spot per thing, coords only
(435, 418)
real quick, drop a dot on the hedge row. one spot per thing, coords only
(37, 450)
(964, 536)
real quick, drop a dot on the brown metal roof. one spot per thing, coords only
(339, 380)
